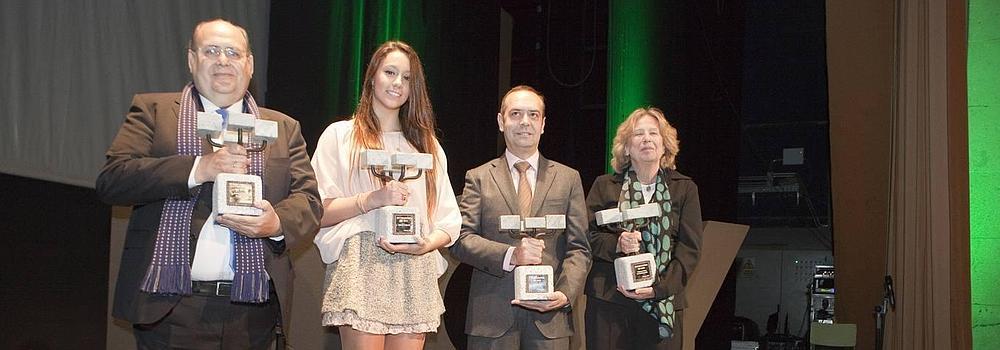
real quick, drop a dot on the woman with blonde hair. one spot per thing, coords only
(380, 294)
(643, 157)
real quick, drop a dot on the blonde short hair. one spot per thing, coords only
(620, 161)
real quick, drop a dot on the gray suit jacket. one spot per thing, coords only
(143, 170)
(489, 192)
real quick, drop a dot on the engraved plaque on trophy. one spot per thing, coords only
(236, 193)
(532, 282)
(634, 270)
(397, 223)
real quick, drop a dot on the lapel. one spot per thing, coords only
(206, 148)
(175, 108)
(500, 172)
(617, 180)
(267, 150)
(203, 206)
(173, 121)
(545, 177)
(266, 154)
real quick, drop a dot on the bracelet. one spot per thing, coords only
(361, 206)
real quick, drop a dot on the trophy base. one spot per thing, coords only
(397, 224)
(635, 271)
(236, 193)
(533, 282)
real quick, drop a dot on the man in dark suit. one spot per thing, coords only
(190, 278)
(521, 182)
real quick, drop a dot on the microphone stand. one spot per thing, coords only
(888, 302)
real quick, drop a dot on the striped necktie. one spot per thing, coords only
(523, 189)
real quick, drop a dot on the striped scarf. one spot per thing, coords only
(170, 269)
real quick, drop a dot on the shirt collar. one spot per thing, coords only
(511, 159)
(211, 107)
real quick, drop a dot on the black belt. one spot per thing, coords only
(212, 288)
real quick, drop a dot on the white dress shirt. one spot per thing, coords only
(214, 253)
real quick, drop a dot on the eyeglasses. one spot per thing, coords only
(213, 51)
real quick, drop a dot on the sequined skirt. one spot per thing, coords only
(381, 293)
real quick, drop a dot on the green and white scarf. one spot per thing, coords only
(655, 239)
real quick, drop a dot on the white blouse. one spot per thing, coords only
(338, 177)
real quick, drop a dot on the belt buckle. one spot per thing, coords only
(223, 289)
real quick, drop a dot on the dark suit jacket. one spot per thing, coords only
(143, 169)
(489, 192)
(685, 225)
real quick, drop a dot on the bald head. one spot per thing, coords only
(220, 61)
(194, 34)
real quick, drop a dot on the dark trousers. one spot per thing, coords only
(524, 335)
(212, 322)
(613, 326)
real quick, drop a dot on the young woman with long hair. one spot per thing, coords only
(382, 295)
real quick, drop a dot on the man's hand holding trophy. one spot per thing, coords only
(533, 282)
(240, 134)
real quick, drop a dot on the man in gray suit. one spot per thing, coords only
(521, 182)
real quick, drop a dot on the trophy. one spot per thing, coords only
(236, 193)
(634, 270)
(397, 223)
(532, 282)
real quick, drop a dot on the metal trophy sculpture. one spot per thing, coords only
(634, 270)
(532, 282)
(236, 193)
(396, 223)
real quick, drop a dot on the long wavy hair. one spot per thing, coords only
(620, 162)
(416, 115)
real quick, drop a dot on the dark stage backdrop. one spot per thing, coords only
(319, 50)
(323, 48)
(54, 280)
(696, 79)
